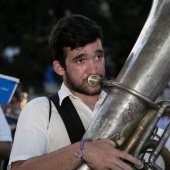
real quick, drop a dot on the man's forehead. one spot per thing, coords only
(91, 48)
(75, 51)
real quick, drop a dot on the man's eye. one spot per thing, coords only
(80, 61)
(99, 57)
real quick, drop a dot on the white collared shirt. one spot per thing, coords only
(33, 138)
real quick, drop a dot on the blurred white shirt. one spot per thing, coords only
(5, 132)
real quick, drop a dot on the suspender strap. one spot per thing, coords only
(69, 116)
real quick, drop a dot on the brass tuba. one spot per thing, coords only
(130, 109)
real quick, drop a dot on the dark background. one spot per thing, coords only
(25, 26)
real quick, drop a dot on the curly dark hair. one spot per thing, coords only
(73, 31)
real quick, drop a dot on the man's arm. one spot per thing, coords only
(99, 154)
(5, 149)
(61, 159)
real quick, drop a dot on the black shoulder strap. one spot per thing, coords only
(69, 116)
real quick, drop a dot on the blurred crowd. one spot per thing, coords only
(13, 109)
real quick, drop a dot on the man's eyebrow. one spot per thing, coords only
(77, 57)
(85, 54)
(99, 51)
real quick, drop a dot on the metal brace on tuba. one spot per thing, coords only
(130, 109)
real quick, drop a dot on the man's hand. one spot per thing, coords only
(103, 155)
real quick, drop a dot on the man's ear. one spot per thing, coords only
(58, 68)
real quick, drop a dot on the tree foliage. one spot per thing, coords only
(26, 24)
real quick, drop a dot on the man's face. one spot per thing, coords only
(82, 62)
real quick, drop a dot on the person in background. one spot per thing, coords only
(40, 144)
(12, 108)
(12, 111)
(5, 140)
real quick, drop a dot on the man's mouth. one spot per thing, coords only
(94, 80)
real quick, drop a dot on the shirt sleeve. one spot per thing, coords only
(31, 136)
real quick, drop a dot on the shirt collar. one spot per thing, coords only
(64, 92)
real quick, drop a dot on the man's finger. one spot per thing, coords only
(119, 142)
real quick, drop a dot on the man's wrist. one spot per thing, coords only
(80, 154)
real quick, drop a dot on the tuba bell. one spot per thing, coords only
(130, 109)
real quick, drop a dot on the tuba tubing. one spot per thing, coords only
(146, 71)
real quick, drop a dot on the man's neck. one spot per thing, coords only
(90, 101)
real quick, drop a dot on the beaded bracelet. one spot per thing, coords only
(80, 155)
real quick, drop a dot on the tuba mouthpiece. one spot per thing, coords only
(94, 80)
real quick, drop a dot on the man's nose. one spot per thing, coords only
(92, 67)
